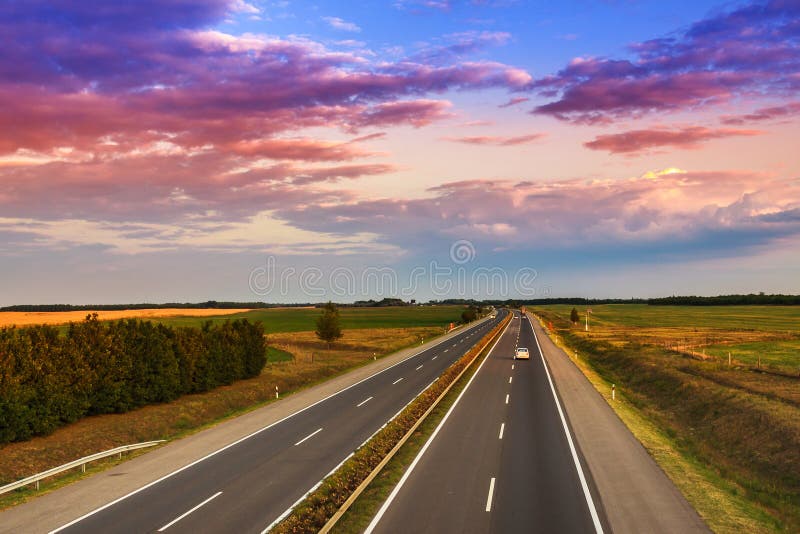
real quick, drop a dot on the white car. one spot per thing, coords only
(522, 354)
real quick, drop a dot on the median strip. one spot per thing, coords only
(337, 492)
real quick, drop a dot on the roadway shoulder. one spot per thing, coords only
(636, 494)
(61, 506)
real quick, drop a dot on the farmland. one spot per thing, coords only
(56, 318)
(734, 423)
(302, 319)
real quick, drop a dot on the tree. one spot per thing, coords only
(574, 317)
(469, 315)
(328, 328)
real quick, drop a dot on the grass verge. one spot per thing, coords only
(192, 413)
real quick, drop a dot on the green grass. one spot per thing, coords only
(277, 355)
(766, 318)
(780, 355)
(304, 319)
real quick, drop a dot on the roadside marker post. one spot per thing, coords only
(613, 391)
(276, 392)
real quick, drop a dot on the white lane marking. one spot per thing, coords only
(398, 380)
(398, 487)
(598, 527)
(362, 403)
(507, 395)
(228, 446)
(418, 368)
(509, 379)
(489, 497)
(434, 358)
(314, 433)
(165, 527)
(446, 350)
(512, 366)
(502, 429)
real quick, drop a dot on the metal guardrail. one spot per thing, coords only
(75, 463)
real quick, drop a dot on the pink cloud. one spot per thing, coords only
(514, 101)
(641, 140)
(497, 140)
(417, 113)
(297, 149)
(765, 114)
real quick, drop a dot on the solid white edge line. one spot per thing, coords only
(314, 433)
(228, 446)
(489, 497)
(362, 403)
(502, 429)
(586, 493)
(165, 527)
(396, 490)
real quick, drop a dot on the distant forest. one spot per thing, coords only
(720, 300)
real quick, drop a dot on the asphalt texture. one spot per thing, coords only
(501, 461)
(247, 486)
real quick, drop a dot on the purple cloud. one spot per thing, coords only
(749, 51)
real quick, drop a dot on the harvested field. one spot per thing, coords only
(32, 318)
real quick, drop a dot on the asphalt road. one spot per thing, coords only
(501, 461)
(247, 486)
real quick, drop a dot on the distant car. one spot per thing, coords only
(522, 354)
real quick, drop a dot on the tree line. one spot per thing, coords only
(48, 379)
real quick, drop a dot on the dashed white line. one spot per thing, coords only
(507, 395)
(502, 429)
(418, 368)
(512, 366)
(165, 527)
(489, 497)
(434, 358)
(362, 403)
(509, 379)
(317, 431)
(398, 380)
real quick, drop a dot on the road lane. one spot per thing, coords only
(472, 479)
(262, 476)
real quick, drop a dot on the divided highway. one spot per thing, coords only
(247, 486)
(501, 461)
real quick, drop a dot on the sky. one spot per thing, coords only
(260, 150)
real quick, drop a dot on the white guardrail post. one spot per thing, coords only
(75, 463)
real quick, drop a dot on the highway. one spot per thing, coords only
(246, 486)
(502, 459)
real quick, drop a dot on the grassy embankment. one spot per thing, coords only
(728, 435)
(296, 360)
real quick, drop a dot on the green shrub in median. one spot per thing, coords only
(48, 380)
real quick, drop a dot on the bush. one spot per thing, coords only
(48, 380)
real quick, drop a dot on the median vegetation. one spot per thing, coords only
(319, 506)
(48, 380)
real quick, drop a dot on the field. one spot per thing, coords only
(309, 362)
(735, 424)
(31, 318)
(303, 319)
